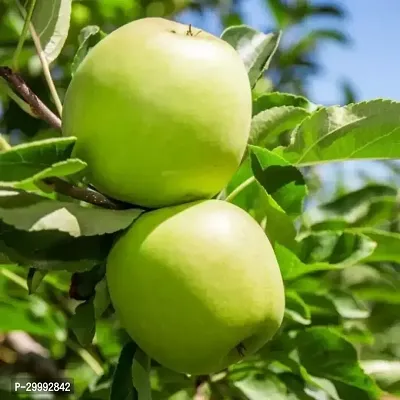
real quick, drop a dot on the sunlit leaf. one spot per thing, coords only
(267, 125)
(83, 323)
(325, 353)
(277, 99)
(51, 19)
(34, 279)
(368, 130)
(88, 37)
(30, 212)
(255, 48)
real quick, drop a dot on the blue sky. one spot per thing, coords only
(371, 62)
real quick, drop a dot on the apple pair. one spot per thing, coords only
(162, 113)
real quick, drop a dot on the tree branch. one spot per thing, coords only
(42, 111)
(30, 356)
(37, 106)
(84, 194)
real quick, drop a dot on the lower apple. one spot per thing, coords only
(197, 286)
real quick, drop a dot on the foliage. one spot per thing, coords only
(339, 339)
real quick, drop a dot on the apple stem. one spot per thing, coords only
(17, 83)
(190, 31)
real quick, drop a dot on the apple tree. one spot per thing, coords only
(339, 260)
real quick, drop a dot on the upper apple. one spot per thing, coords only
(161, 113)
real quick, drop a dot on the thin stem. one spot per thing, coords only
(44, 63)
(15, 278)
(37, 106)
(87, 357)
(84, 194)
(4, 145)
(21, 103)
(46, 70)
(24, 34)
(240, 188)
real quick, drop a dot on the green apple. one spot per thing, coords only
(197, 286)
(162, 113)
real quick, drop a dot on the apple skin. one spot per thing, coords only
(161, 117)
(197, 286)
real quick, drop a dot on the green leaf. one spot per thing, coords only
(292, 267)
(278, 225)
(22, 318)
(282, 181)
(172, 385)
(267, 125)
(368, 130)
(83, 284)
(247, 194)
(101, 298)
(51, 19)
(141, 374)
(343, 248)
(296, 308)
(385, 372)
(53, 250)
(348, 201)
(322, 308)
(83, 323)
(280, 12)
(34, 213)
(122, 386)
(88, 37)
(299, 381)
(255, 48)
(60, 169)
(310, 41)
(28, 161)
(253, 198)
(34, 279)
(277, 99)
(261, 387)
(348, 306)
(326, 354)
(300, 390)
(388, 245)
(369, 206)
(370, 284)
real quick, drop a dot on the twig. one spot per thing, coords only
(43, 61)
(84, 194)
(24, 33)
(46, 70)
(58, 185)
(37, 106)
(4, 145)
(20, 101)
(86, 356)
(240, 188)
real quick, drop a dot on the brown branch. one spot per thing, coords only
(37, 106)
(42, 111)
(30, 356)
(84, 194)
